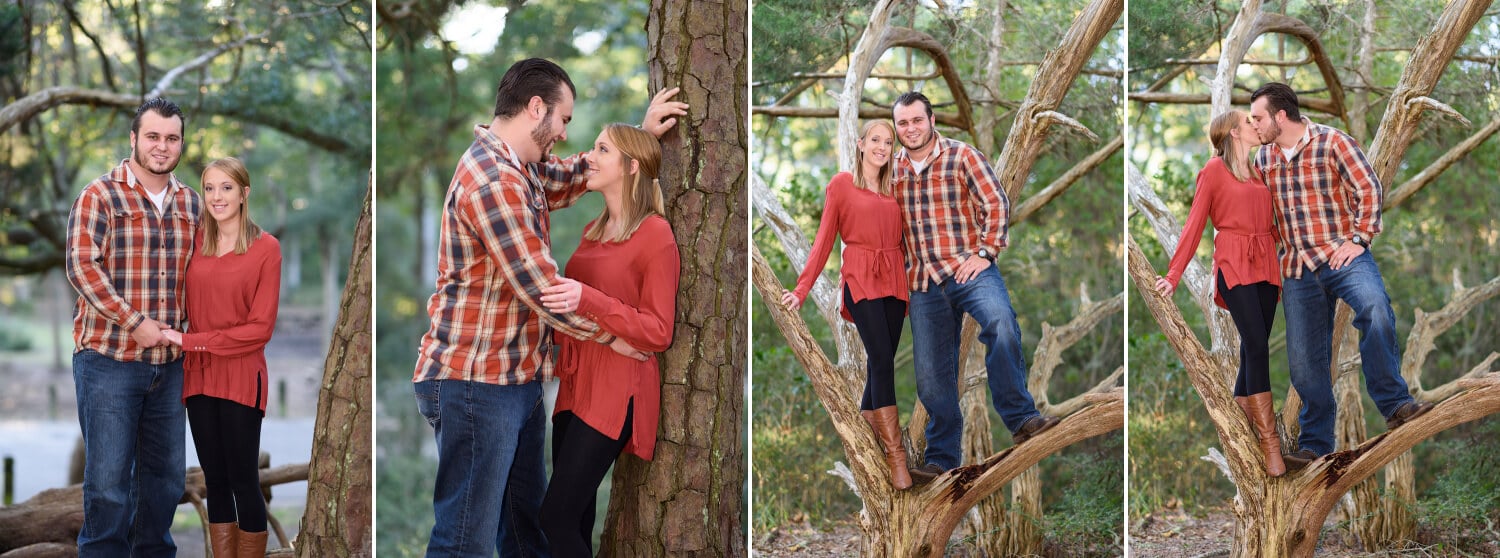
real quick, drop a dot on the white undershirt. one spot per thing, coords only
(158, 198)
(1306, 137)
(920, 166)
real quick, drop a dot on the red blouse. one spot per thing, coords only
(630, 290)
(231, 306)
(870, 224)
(1244, 216)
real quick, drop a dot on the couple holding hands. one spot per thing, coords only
(178, 295)
(921, 228)
(1311, 191)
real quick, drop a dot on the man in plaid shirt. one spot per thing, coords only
(1328, 210)
(130, 234)
(490, 340)
(956, 215)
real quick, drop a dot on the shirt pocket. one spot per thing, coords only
(180, 226)
(130, 232)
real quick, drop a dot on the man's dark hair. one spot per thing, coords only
(912, 97)
(1279, 96)
(163, 108)
(532, 77)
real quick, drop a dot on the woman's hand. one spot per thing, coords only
(790, 300)
(1164, 286)
(563, 296)
(620, 346)
(172, 336)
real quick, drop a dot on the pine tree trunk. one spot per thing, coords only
(338, 515)
(689, 501)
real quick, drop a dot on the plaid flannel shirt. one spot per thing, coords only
(487, 320)
(127, 261)
(950, 210)
(1326, 194)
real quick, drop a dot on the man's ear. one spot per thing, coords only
(536, 107)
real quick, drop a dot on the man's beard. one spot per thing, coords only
(926, 140)
(543, 137)
(142, 158)
(1275, 133)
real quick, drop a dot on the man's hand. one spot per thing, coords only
(1164, 286)
(790, 300)
(659, 116)
(971, 268)
(620, 346)
(562, 297)
(172, 336)
(1344, 254)
(147, 334)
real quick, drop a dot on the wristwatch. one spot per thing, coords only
(1360, 241)
(985, 253)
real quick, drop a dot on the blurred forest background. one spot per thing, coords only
(439, 64)
(1073, 245)
(1447, 234)
(283, 86)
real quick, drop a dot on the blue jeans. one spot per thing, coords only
(1309, 304)
(134, 441)
(936, 320)
(491, 475)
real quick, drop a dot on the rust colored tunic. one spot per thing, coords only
(630, 290)
(1243, 213)
(874, 265)
(231, 307)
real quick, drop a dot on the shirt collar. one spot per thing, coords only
(127, 177)
(1307, 135)
(493, 143)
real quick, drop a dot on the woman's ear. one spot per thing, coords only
(635, 166)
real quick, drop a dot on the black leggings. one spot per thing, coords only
(227, 437)
(878, 322)
(1253, 308)
(580, 458)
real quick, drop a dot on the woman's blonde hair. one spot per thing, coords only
(249, 231)
(642, 190)
(1223, 142)
(884, 187)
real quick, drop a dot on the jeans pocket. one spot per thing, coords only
(428, 401)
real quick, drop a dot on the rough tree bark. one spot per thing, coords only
(689, 501)
(338, 515)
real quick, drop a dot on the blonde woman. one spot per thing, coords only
(860, 208)
(233, 285)
(1246, 275)
(623, 276)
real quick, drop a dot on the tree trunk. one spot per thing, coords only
(689, 501)
(338, 515)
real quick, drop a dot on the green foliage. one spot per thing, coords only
(825, 31)
(13, 339)
(1084, 520)
(1464, 500)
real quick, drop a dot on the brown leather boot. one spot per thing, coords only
(1258, 407)
(888, 429)
(221, 539)
(252, 545)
